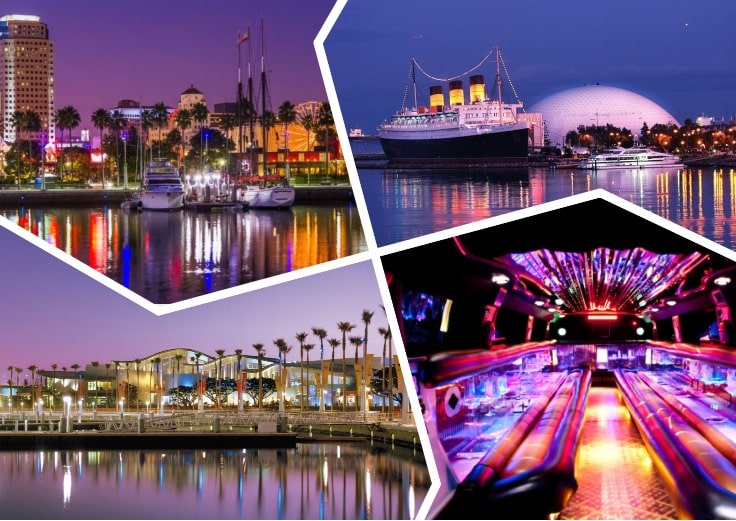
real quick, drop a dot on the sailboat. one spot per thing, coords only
(267, 192)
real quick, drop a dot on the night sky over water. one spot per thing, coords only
(679, 54)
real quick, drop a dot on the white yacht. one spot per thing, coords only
(254, 196)
(637, 157)
(162, 187)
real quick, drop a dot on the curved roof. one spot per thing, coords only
(598, 105)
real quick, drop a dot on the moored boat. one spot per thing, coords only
(162, 187)
(254, 196)
(636, 157)
(484, 130)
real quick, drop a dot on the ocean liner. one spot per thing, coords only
(482, 131)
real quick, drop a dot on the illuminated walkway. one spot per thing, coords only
(616, 477)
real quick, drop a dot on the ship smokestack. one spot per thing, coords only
(456, 93)
(436, 99)
(477, 89)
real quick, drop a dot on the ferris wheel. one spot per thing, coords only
(297, 133)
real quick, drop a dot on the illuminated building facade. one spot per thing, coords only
(26, 75)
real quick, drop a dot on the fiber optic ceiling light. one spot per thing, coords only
(606, 279)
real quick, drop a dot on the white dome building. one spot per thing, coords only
(598, 105)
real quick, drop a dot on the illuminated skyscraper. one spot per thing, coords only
(26, 74)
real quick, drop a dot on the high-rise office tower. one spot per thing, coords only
(26, 75)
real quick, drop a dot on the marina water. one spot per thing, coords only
(172, 256)
(407, 203)
(313, 481)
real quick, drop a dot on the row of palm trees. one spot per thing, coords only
(320, 336)
(113, 125)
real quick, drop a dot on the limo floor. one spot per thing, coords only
(616, 477)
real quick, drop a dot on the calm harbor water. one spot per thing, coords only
(171, 256)
(323, 481)
(406, 203)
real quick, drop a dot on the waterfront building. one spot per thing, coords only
(598, 105)
(147, 382)
(26, 74)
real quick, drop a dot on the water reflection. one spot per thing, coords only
(407, 203)
(310, 482)
(171, 256)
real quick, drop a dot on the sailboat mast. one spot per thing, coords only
(263, 101)
(239, 108)
(251, 112)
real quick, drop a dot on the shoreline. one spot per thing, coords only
(69, 197)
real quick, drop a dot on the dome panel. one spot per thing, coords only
(598, 105)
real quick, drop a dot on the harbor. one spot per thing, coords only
(64, 197)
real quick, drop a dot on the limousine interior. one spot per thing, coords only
(578, 363)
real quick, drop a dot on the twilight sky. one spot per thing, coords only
(154, 50)
(52, 313)
(679, 53)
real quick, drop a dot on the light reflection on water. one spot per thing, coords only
(408, 203)
(171, 256)
(310, 482)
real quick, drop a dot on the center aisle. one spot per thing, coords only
(616, 476)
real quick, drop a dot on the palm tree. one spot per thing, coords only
(384, 333)
(107, 373)
(321, 334)
(67, 118)
(268, 121)
(147, 124)
(183, 120)
(137, 382)
(307, 348)
(283, 348)
(345, 328)
(117, 123)
(239, 355)
(356, 341)
(199, 115)
(366, 317)
(287, 116)
(308, 122)
(260, 350)
(197, 355)
(228, 122)
(32, 369)
(178, 375)
(160, 119)
(101, 120)
(326, 121)
(301, 337)
(10, 384)
(220, 354)
(334, 342)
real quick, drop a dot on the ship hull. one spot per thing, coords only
(493, 147)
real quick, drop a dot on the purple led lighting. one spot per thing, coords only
(605, 279)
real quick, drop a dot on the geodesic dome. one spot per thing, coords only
(598, 105)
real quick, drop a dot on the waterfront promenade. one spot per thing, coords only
(203, 430)
(61, 197)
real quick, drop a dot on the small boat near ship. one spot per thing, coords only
(484, 130)
(635, 157)
(162, 187)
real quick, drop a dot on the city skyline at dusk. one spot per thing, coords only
(152, 52)
(54, 313)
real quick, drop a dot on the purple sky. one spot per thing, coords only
(154, 50)
(52, 313)
(679, 54)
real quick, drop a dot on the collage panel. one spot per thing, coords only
(192, 317)
(573, 375)
(285, 403)
(456, 114)
(176, 167)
